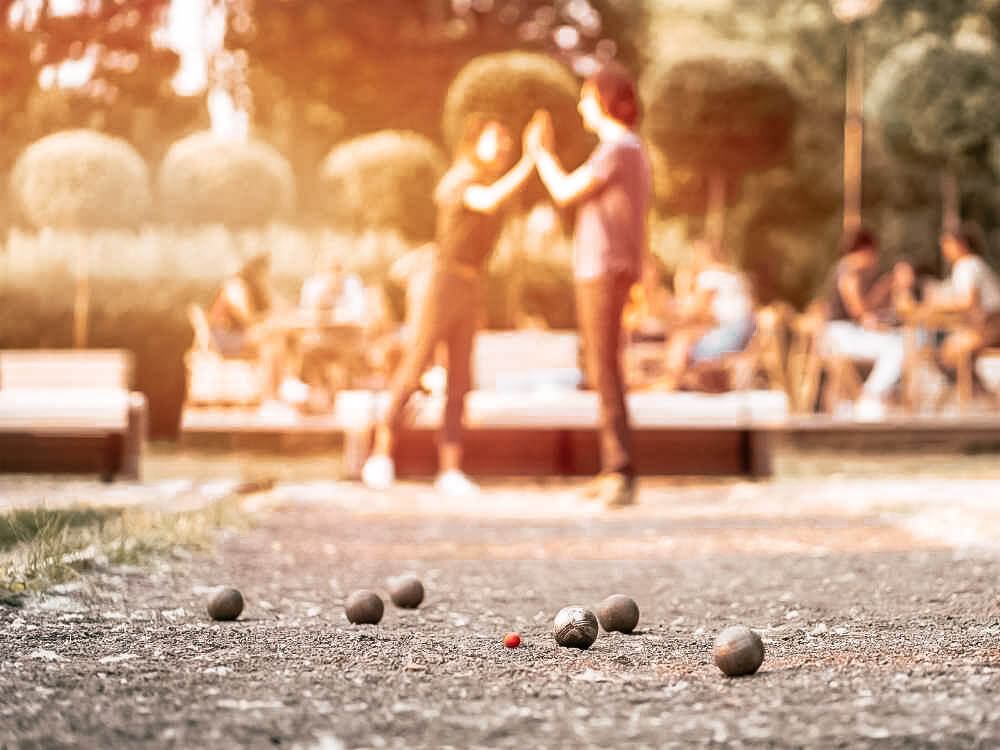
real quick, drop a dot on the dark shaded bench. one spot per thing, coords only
(554, 432)
(70, 411)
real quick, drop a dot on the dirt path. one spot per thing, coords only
(882, 625)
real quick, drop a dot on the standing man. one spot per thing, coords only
(612, 193)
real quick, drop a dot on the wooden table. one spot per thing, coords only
(924, 320)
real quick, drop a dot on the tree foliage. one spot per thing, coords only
(128, 93)
(734, 115)
(359, 67)
(384, 180)
(938, 103)
(206, 179)
(81, 179)
(509, 87)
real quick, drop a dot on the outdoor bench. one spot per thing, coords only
(70, 411)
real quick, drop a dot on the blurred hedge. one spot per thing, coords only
(207, 179)
(385, 180)
(83, 179)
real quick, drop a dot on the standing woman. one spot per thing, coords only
(468, 198)
(612, 193)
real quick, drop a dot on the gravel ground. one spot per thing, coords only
(876, 598)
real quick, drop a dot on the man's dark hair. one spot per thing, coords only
(615, 89)
(972, 237)
(862, 239)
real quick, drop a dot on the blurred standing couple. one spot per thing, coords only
(611, 192)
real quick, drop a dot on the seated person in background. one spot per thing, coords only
(334, 291)
(243, 301)
(859, 316)
(716, 315)
(973, 290)
(650, 304)
(329, 355)
(237, 320)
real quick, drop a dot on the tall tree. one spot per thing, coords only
(720, 118)
(940, 104)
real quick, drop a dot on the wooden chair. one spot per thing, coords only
(214, 379)
(809, 363)
(966, 381)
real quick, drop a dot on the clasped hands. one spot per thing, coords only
(539, 135)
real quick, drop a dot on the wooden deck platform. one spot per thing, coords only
(554, 433)
(534, 433)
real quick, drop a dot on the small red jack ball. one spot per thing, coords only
(512, 640)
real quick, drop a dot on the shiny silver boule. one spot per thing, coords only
(575, 627)
(738, 651)
(618, 612)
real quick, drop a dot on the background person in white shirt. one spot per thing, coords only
(718, 313)
(974, 290)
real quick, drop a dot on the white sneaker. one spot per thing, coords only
(293, 391)
(378, 473)
(455, 484)
(869, 409)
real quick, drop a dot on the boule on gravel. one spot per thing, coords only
(364, 607)
(226, 604)
(618, 613)
(575, 627)
(406, 591)
(738, 651)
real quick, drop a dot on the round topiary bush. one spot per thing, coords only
(207, 179)
(732, 114)
(81, 179)
(937, 102)
(509, 87)
(384, 180)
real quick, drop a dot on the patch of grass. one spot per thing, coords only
(23, 525)
(43, 547)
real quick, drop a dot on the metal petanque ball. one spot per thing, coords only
(406, 591)
(364, 607)
(575, 627)
(225, 605)
(738, 651)
(618, 612)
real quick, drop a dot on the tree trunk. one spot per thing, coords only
(715, 217)
(951, 214)
(81, 297)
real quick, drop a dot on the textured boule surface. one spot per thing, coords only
(575, 627)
